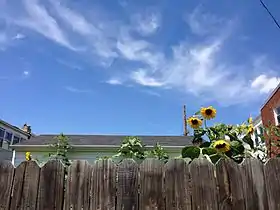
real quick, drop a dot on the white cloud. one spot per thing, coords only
(142, 78)
(264, 83)
(114, 81)
(77, 90)
(138, 50)
(19, 36)
(26, 73)
(147, 24)
(202, 23)
(3, 38)
(41, 21)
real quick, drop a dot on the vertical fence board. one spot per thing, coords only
(78, 186)
(25, 187)
(51, 186)
(272, 179)
(104, 185)
(6, 181)
(204, 189)
(254, 185)
(151, 185)
(177, 185)
(127, 185)
(230, 186)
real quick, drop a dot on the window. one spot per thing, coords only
(8, 137)
(22, 139)
(2, 134)
(277, 115)
(16, 139)
(256, 137)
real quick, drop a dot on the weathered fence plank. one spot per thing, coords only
(204, 189)
(151, 185)
(230, 186)
(104, 185)
(253, 185)
(78, 186)
(25, 187)
(127, 185)
(6, 181)
(51, 186)
(177, 185)
(272, 180)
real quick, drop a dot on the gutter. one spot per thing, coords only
(84, 147)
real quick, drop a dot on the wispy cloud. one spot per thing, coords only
(69, 64)
(148, 23)
(140, 76)
(39, 20)
(264, 83)
(114, 81)
(18, 36)
(202, 23)
(77, 90)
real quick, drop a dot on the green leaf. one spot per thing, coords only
(197, 113)
(190, 152)
(205, 144)
(215, 158)
(209, 151)
(247, 139)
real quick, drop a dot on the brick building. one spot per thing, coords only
(270, 114)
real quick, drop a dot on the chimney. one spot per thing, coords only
(26, 128)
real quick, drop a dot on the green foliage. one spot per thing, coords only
(159, 153)
(131, 147)
(221, 140)
(61, 146)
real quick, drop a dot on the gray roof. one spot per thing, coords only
(5, 154)
(111, 140)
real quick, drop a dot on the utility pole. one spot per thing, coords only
(185, 121)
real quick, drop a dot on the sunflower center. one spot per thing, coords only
(195, 122)
(220, 146)
(208, 111)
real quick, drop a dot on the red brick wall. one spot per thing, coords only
(267, 113)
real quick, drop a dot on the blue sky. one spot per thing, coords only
(127, 67)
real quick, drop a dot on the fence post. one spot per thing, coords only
(104, 185)
(6, 181)
(78, 186)
(151, 185)
(177, 185)
(272, 182)
(25, 186)
(204, 189)
(127, 185)
(51, 186)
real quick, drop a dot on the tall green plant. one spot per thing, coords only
(61, 146)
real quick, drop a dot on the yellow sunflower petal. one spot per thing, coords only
(208, 112)
(221, 145)
(194, 122)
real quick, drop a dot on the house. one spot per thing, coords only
(91, 147)
(270, 114)
(10, 135)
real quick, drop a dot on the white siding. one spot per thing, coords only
(78, 155)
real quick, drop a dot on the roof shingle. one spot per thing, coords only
(111, 140)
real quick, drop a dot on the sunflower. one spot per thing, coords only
(208, 112)
(28, 156)
(251, 129)
(194, 122)
(221, 145)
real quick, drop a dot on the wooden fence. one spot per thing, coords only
(152, 185)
